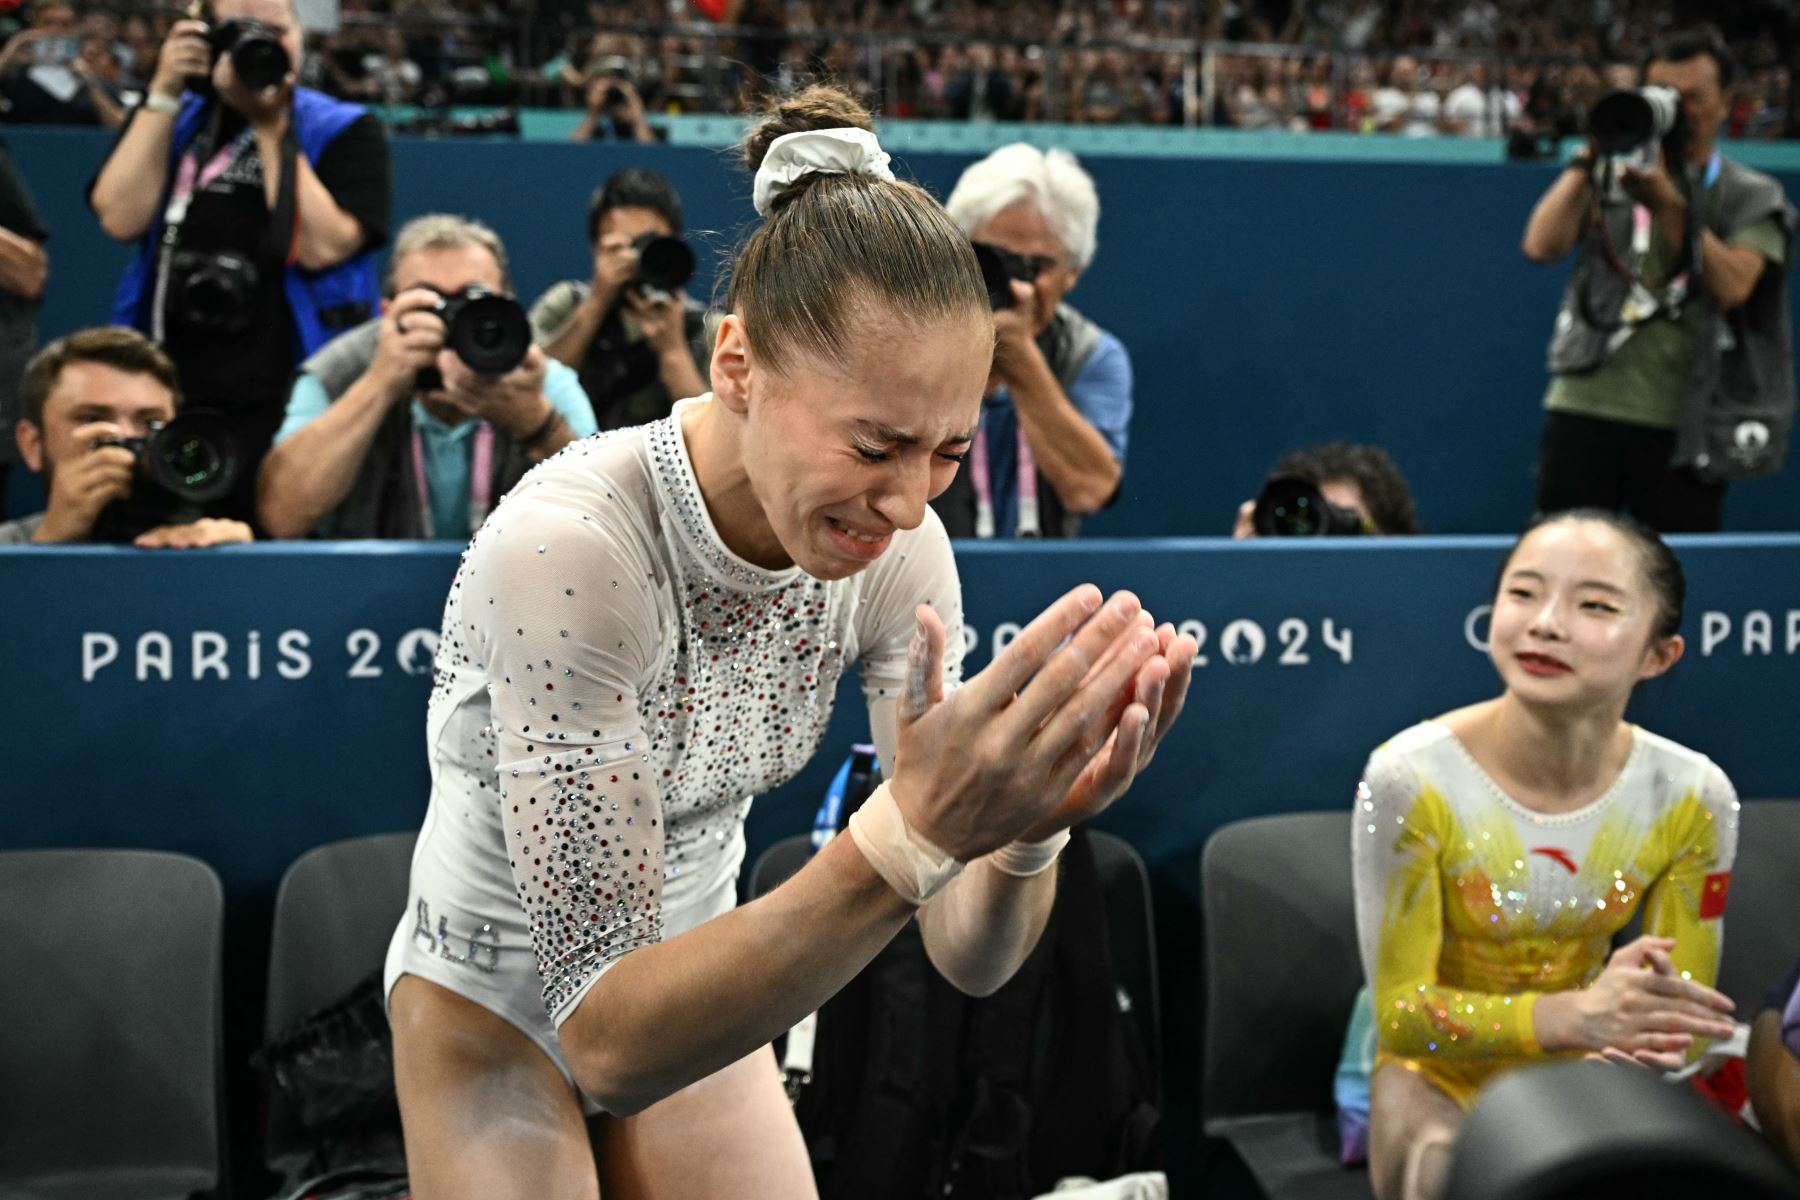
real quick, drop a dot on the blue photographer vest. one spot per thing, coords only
(318, 120)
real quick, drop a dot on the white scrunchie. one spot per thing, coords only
(792, 156)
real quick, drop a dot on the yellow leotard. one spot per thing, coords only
(1469, 905)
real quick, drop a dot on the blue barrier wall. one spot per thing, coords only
(246, 704)
(249, 703)
(1266, 304)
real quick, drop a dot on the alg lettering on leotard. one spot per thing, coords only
(485, 942)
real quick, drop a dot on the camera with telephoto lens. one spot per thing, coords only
(257, 55)
(489, 331)
(212, 291)
(1629, 128)
(1293, 506)
(182, 465)
(664, 266)
(999, 267)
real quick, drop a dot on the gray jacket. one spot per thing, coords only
(383, 502)
(1738, 406)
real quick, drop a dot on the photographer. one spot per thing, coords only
(373, 446)
(1672, 360)
(613, 102)
(82, 395)
(1360, 489)
(256, 211)
(637, 350)
(1051, 445)
(24, 271)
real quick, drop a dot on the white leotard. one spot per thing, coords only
(612, 686)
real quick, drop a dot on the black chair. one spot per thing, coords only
(334, 915)
(1762, 941)
(1281, 970)
(109, 1025)
(1130, 919)
(1568, 1131)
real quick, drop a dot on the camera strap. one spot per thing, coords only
(481, 479)
(190, 177)
(1642, 303)
(982, 479)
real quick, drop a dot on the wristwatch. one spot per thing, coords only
(156, 102)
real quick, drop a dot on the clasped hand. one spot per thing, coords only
(1050, 734)
(1640, 1010)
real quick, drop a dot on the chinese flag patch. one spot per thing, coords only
(1713, 893)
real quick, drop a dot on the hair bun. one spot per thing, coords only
(820, 106)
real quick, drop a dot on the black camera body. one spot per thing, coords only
(664, 266)
(181, 466)
(213, 291)
(999, 268)
(1293, 506)
(488, 330)
(257, 55)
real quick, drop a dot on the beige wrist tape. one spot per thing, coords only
(1029, 858)
(911, 865)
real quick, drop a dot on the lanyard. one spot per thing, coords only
(190, 177)
(481, 479)
(1642, 304)
(1025, 469)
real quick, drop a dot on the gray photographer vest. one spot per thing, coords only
(1737, 410)
(383, 502)
(1067, 343)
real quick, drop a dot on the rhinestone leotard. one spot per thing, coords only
(612, 686)
(1469, 905)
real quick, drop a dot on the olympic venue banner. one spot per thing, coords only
(246, 704)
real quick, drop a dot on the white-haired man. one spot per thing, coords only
(1051, 446)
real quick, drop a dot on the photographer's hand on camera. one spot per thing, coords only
(513, 403)
(1015, 333)
(615, 97)
(614, 264)
(1656, 191)
(268, 110)
(664, 322)
(412, 334)
(186, 54)
(84, 485)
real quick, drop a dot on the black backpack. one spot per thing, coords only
(919, 1091)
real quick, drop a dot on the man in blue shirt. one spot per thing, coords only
(1051, 447)
(365, 453)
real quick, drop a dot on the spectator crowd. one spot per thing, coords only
(1412, 67)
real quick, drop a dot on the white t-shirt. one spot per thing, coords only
(1420, 109)
(1488, 114)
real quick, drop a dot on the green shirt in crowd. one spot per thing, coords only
(1643, 381)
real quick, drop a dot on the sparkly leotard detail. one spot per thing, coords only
(1469, 905)
(612, 686)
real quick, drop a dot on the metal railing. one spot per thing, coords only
(702, 67)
